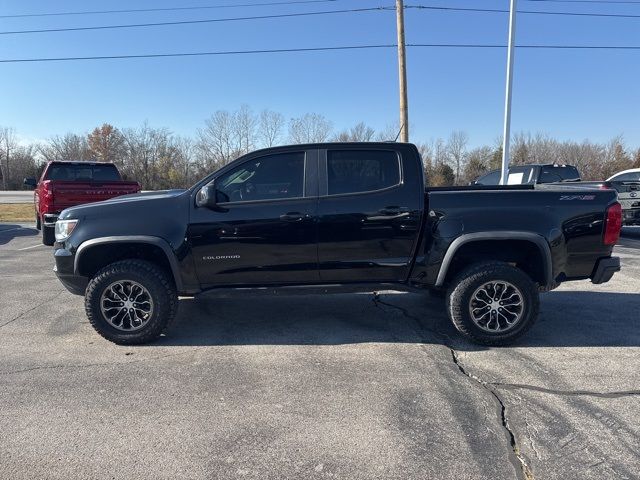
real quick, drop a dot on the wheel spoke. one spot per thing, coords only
(496, 306)
(126, 305)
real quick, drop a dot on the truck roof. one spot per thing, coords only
(78, 162)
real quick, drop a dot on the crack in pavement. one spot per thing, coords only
(103, 364)
(515, 456)
(569, 393)
(33, 308)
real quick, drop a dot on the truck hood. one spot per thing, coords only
(123, 204)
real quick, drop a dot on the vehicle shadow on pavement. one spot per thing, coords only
(9, 231)
(567, 319)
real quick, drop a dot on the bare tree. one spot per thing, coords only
(457, 147)
(440, 152)
(390, 133)
(7, 146)
(310, 128)
(478, 163)
(359, 133)
(68, 147)
(23, 164)
(244, 125)
(271, 127)
(226, 136)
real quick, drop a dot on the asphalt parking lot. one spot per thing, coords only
(347, 386)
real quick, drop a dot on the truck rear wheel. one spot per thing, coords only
(131, 302)
(493, 303)
(48, 235)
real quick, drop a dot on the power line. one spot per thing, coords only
(167, 9)
(191, 22)
(305, 14)
(552, 47)
(318, 49)
(530, 12)
(197, 54)
(603, 2)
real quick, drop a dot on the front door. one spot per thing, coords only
(264, 231)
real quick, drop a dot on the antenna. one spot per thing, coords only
(399, 132)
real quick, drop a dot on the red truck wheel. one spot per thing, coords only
(48, 235)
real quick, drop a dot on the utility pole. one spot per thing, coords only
(402, 73)
(506, 134)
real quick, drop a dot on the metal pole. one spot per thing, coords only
(402, 73)
(506, 134)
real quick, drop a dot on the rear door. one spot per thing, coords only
(264, 231)
(369, 212)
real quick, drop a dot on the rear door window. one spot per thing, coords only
(359, 171)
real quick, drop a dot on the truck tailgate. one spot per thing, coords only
(68, 194)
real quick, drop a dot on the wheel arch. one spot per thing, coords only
(498, 240)
(89, 255)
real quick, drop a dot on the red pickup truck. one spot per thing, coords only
(67, 184)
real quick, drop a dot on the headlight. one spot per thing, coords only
(64, 229)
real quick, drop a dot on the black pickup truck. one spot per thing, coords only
(334, 218)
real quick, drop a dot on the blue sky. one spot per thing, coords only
(566, 93)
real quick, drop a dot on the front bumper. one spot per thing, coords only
(604, 270)
(65, 272)
(631, 216)
(50, 219)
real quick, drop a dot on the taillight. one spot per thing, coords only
(613, 224)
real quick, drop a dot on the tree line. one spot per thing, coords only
(160, 159)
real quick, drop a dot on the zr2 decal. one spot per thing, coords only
(577, 197)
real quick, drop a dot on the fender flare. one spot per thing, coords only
(144, 239)
(534, 238)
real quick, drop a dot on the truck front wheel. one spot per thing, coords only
(131, 302)
(492, 303)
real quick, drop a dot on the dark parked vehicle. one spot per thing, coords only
(334, 217)
(66, 184)
(532, 175)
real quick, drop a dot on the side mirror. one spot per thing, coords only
(206, 197)
(30, 182)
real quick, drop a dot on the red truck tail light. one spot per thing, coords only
(46, 187)
(613, 224)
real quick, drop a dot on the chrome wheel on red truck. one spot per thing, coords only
(493, 303)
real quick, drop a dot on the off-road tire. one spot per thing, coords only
(465, 284)
(48, 235)
(160, 287)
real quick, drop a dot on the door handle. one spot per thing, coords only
(292, 217)
(393, 211)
